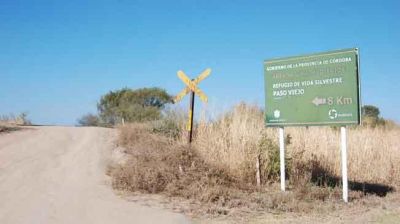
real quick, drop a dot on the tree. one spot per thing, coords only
(22, 119)
(132, 105)
(89, 120)
(371, 116)
(370, 111)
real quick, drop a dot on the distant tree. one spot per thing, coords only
(370, 111)
(371, 116)
(89, 120)
(22, 119)
(132, 105)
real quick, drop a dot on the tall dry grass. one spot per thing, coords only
(233, 141)
(220, 167)
(373, 153)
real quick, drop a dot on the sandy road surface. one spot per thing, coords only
(56, 175)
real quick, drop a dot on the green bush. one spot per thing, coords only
(371, 117)
(130, 105)
(270, 160)
(89, 120)
(171, 124)
(370, 111)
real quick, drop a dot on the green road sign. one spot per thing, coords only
(317, 89)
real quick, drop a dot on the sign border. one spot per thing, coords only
(333, 123)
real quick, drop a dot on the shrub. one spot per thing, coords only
(23, 119)
(371, 117)
(132, 105)
(370, 111)
(7, 128)
(89, 120)
(170, 125)
(270, 160)
(158, 165)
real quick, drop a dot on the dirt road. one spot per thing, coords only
(57, 175)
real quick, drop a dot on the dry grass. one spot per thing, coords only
(12, 120)
(7, 127)
(160, 165)
(233, 142)
(219, 169)
(157, 164)
(373, 153)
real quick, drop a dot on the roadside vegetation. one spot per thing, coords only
(11, 122)
(128, 105)
(233, 163)
(21, 119)
(4, 128)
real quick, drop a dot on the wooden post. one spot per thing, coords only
(191, 113)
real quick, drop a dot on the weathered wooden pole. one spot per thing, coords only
(191, 113)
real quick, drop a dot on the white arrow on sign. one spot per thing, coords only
(319, 101)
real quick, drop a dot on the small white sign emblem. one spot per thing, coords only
(333, 114)
(277, 113)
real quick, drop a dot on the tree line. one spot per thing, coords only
(147, 104)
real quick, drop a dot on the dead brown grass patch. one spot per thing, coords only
(159, 165)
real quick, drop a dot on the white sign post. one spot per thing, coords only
(344, 163)
(282, 158)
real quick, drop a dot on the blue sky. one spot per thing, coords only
(58, 57)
